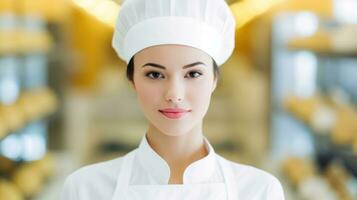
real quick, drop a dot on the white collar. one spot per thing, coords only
(197, 172)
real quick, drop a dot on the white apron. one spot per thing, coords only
(206, 191)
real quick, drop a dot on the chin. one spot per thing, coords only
(174, 134)
(174, 131)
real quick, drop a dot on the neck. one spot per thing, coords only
(178, 151)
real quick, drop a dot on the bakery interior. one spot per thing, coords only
(286, 101)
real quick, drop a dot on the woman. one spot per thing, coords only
(173, 49)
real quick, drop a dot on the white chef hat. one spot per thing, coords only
(208, 25)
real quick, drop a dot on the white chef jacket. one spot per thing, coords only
(98, 181)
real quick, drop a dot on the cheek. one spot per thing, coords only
(200, 94)
(144, 90)
(148, 94)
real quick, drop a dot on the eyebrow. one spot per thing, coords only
(184, 67)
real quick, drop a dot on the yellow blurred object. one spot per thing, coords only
(323, 8)
(323, 119)
(38, 103)
(335, 42)
(251, 39)
(338, 120)
(8, 42)
(34, 42)
(50, 102)
(84, 28)
(338, 178)
(46, 165)
(3, 128)
(246, 11)
(19, 41)
(346, 127)
(45, 101)
(8, 191)
(50, 10)
(298, 170)
(7, 6)
(26, 102)
(106, 11)
(6, 166)
(8, 37)
(320, 42)
(28, 179)
(291, 103)
(303, 108)
(13, 116)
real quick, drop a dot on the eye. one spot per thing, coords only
(154, 75)
(194, 74)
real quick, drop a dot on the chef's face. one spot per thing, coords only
(174, 77)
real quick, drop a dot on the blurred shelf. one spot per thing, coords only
(327, 150)
(322, 43)
(45, 118)
(30, 107)
(2, 138)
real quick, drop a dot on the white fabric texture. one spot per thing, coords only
(99, 181)
(205, 191)
(208, 25)
(159, 170)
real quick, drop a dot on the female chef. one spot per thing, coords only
(173, 49)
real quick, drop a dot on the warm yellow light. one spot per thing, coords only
(104, 10)
(247, 10)
(244, 11)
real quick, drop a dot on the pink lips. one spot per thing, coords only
(174, 113)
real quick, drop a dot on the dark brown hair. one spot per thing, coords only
(130, 70)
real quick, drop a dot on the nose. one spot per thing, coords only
(175, 91)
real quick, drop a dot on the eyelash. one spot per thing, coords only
(150, 73)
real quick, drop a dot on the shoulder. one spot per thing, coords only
(247, 173)
(100, 170)
(252, 181)
(84, 183)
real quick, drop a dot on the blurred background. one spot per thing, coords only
(286, 101)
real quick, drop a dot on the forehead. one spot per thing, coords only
(177, 55)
